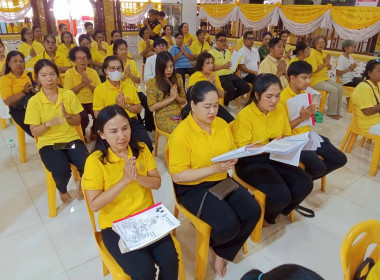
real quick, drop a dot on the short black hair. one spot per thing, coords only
(283, 32)
(201, 60)
(76, 49)
(199, 32)
(61, 25)
(162, 13)
(87, 24)
(84, 37)
(142, 30)
(35, 27)
(265, 33)
(152, 11)
(203, 23)
(219, 34)
(273, 42)
(96, 32)
(159, 41)
(246, 33)
(299, 67)
(177, 34)
(117, 44)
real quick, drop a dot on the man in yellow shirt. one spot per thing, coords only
(233, 85)
(199, 45)
(207, 38)
(326, 158)
(273, 63)
(99, 43)
(152, 24)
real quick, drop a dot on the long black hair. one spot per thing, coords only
(284, 272)
(106, 114)
(370, 66)
(9, 56)
(162, 82)
(197, 93)
(300, 46)
(261, 85)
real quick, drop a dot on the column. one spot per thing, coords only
(189, 14)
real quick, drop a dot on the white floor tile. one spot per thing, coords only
(92, 269)
(11, 182)
(62, 276)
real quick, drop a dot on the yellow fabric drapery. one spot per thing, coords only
(355, 17)
(216, 10)
(132, 8)
(13, 6)
(256, 12)
(303, 13)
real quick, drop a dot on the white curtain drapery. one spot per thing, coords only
(357, 35)
(16, 16)
(271, 18)
(133, 19)
(218, 21)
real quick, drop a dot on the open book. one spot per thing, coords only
(145, 227)
(286, 150)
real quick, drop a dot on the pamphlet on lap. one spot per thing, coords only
(235, 58)
(295, 105)
(144, 228)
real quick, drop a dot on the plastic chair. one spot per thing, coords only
(109, 263)
(347, 91)
(322, 102)
(157, 134)
(351, 136)
(237, 73)
(323, 179)
(50, 183)
(3, 123)
(203, 234)
(21, 142)
(353, 251)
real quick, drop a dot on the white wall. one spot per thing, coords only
(189, 14)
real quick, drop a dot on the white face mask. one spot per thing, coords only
(115, 76)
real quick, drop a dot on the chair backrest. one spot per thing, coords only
(355, 245)
(157, 129)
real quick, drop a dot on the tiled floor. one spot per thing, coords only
(34, 246)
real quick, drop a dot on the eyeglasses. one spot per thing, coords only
(112, 69)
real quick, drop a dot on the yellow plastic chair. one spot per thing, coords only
(203, 234)
(322, 102)
(347, 91)
(3, 123)
(351, 136)
(353, 251)
(323, 179)
(109, 263)
(21, 142)
(157, 134)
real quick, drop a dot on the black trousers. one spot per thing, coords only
(285, 186)
(224, 114)
(316, 167)
(183, 72)
(19, 117)
(250, 78)
(232, 220)
(85, 120)
(58, 162)
(233, 87)
(148, 118)
(140, 264)
(140, 133)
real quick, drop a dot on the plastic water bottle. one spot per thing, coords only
(376, 54)
(12, 146)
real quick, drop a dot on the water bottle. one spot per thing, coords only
(12, 146)
(376, 54)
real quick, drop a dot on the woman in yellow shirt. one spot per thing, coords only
(188, 38)
(16, 88)
(320, 62)
(83, 80)
(118, 178)
(301, 52)
(285, 186)
(97, 60)
(2, 58)
(166, 93)
(199, 45)
(29, 48)
(204, 68)
(196, 140)
(366, 98)
(114, 91)
(99, 43)
(67, 40)
(53, 114)
(145, 46)
(168, 30)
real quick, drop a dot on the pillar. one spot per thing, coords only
(109, 18)
(39, 13)
(189, 14)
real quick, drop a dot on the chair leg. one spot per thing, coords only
(52, 194)
(323, 184)
(351, 142)
(202, 248)
(362, 141)
(181, 271)
(3, 124)
(350, 106)
(238, 102)
(369, 141)
(344, 142)
(291, 216)
(256, 233)
(176, 213)
(105, 269)
(375, 159)
(21, 143)
(322, 102)
(245, 248)
(156, 136)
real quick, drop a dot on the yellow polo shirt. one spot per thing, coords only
(60, 59)
(191, 147)
(64, 50)
(170, 43)
(315, 59)
(25, 48)
(286, 94)
(142, 45)
(110, 51)
(105, 94)
(74, 79)
(41, 110)
(58, 39)
(96, 55)
(134, 71)
(10, 85)
(187, 38)
(198, 76)
(363, 97)
(252, 125)
(269, 65)
(294, 59)
(239, 43)
(94, 46)
(2, 64)
(197, 48)
(101, 176)
(220, 59)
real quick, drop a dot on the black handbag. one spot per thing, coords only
(22, 102)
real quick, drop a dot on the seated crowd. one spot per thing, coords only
(52, 86)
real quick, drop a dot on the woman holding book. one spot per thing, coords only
(285, 186)
(118, 178)
(198, 138)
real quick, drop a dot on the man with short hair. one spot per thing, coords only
(207, 38)
(283, 35)
(61, 28)
(250, 58)
(232, 84)
(274, 62)
(159, 45)
(152, 24)
(89, 26)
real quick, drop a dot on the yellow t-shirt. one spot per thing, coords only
(239, 43)
(286, 94)
(60, 59)
(315, 59)
(170, 42)
(2, 64)
(105, 94)
(294, 59)
(191, 147)
(142, 45)
(96, 55)
(187, 38)
(10, 85)
(134, 71)
(64, 50)
(363, 97)
(110, 51)
(252, 125)
(269, 65)
(197, 48)
(220, 59)
(94, 46)
(25, 48)
(41, 110)
(74, 79)
(198, 76)
(102, 176)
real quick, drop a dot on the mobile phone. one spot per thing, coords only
(64, 146)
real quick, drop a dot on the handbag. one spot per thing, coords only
(22, 102)
(221, 190)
